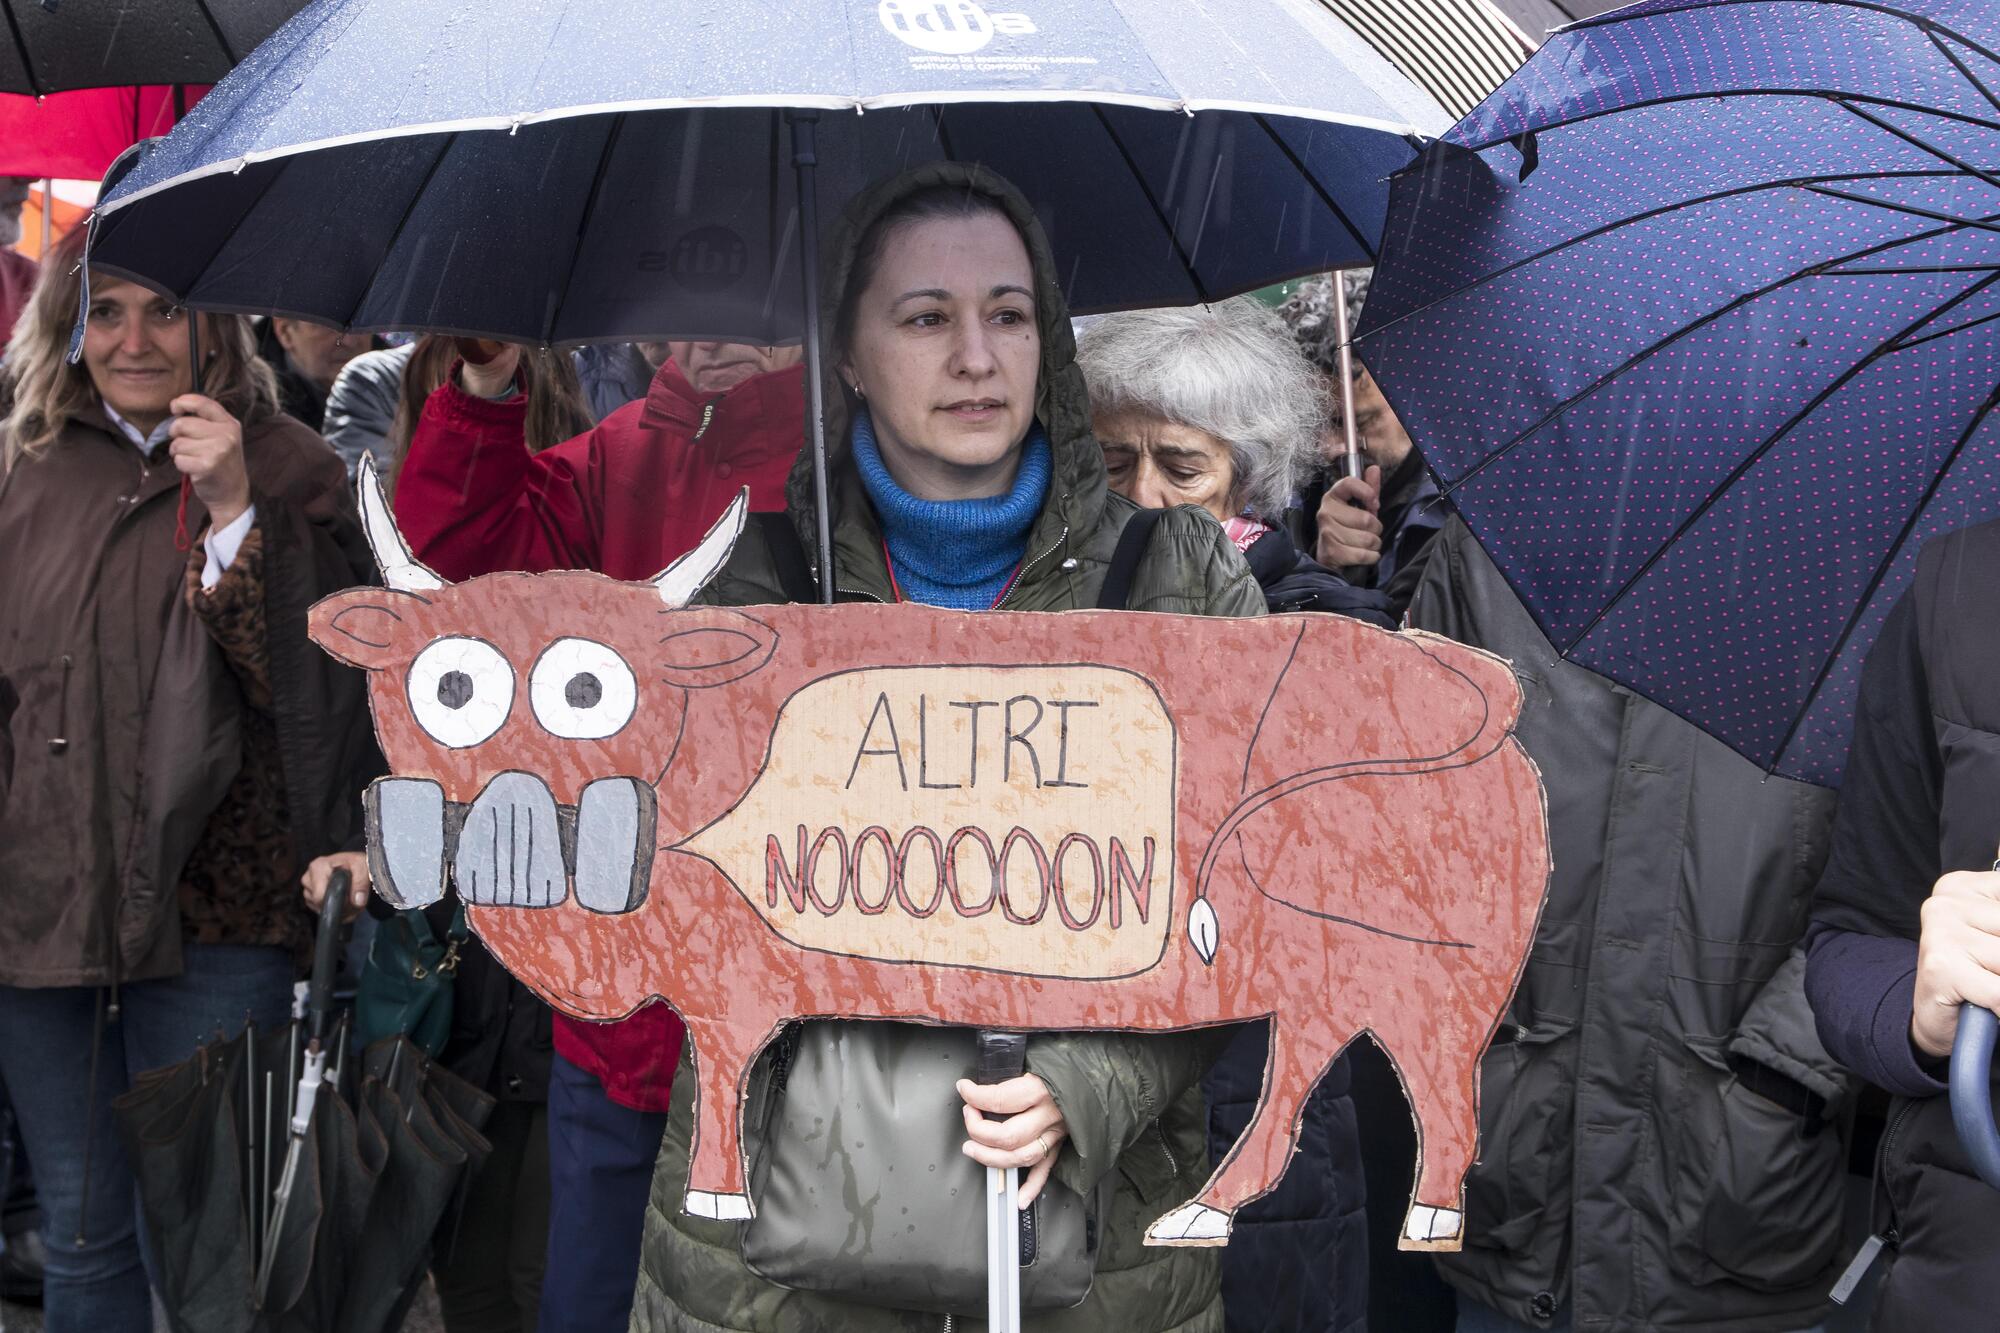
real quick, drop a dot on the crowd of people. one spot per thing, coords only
(1729, 977)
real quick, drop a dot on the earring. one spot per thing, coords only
(859, 392)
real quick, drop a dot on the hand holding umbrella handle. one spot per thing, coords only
(1972, 1090)
(326, 955)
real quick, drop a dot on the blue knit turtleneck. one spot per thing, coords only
(954, 553)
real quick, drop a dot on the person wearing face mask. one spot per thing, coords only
(180, 747)
(625, 499)
(963, 474)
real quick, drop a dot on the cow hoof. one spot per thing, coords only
(1190, 1224)
(1428, 1228)
(718, 1207)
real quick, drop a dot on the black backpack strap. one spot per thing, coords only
(1132, 543)
(788, 556)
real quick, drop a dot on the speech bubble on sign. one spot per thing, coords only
(1013, 819)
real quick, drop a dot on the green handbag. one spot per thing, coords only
(405, 986)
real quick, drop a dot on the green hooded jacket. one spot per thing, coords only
(1132, 1102)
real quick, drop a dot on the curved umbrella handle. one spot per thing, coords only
(1972, 1090)
(326, 955)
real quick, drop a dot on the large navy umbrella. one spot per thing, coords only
(1695, 320)
(547, 172)
(555, 173)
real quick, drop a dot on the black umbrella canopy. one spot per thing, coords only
(500, 168)
(52, 46)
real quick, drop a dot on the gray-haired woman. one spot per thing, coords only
(1215, 406)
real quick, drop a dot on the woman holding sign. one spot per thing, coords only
(964, 475)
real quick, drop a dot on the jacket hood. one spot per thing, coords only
(1062, 404)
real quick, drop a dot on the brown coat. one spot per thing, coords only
(110, 793)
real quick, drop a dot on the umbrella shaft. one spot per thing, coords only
(1003, 1250)
(1352, 459)
(805, 159)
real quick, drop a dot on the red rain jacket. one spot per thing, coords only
(623, 499)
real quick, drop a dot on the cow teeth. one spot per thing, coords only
(405, 823)
(614, 844)
(510, 850)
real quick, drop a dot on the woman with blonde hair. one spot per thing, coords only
(180, 750)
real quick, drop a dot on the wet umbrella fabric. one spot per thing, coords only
(1695, 319)
(641, 181)
(49, 46)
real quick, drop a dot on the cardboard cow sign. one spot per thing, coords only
(1091, 820)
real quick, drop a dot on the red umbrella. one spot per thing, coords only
(75, 135)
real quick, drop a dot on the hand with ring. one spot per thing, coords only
(1029, 1134)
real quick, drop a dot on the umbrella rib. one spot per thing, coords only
(1729, 95)
(1911, 210)
(943, 135)
(234, 227)
(1927, 26)
(1885, 348)
(1911, 139)
(1187, 263)
(1965, 71)
(1946, 333)
(409, 209)
(1738, 191)
(1311, 179)
(21, 44)
(1612, 375)
(1881, 574)
(583, 224)
(228, 51)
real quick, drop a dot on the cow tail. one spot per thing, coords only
(1492, 680)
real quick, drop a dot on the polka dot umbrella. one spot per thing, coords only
(1695, 320)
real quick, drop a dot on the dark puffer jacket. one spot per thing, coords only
(1659, 1146)
(1921, 798)
(1133, 1102)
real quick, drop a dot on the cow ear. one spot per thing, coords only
(363, 627)
(700, 649)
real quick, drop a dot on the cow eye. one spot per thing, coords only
(461, 691)
(581, 690)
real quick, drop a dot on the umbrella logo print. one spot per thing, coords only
(947, 27)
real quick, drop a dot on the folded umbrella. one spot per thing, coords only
(290, 1233)
(258, 1226)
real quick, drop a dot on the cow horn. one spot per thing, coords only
(680, 581)
(400, 569)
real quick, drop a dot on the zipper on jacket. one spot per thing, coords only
(707, 416)
(1021, 575)
(1166, 1147)
(59, 742)
(1888, 1237)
